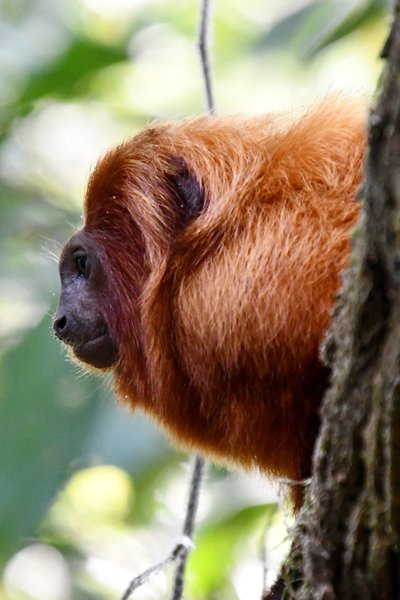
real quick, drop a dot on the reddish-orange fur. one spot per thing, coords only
(219, 323)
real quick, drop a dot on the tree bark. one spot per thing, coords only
(346, 544)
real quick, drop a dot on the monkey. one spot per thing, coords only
(205, 274)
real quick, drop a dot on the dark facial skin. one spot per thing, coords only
(79, 322)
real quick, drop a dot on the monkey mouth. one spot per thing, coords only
(100, 351)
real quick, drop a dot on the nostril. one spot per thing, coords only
(59, 324)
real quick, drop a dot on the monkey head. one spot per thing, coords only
(133, 213)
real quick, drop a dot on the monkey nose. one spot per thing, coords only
(60, 326)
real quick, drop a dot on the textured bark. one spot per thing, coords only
(347, 540)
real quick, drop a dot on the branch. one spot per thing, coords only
(203, 46)
(188, 526)
(181, 549)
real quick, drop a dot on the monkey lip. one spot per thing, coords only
(100, 351)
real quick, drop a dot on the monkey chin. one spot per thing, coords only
(100, 352)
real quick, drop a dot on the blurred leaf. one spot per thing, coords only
(150, 481)
(44, 420)
(299, 24)
(66, 77)
(356, 19)
(219, 544)
(318, 24)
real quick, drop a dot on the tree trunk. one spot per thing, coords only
(347, 540)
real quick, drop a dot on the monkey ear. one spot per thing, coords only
(186, 191)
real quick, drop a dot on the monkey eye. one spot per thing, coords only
(82, 265)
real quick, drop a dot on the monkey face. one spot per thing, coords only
(79, 322)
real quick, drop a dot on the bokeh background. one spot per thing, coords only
(89, 493)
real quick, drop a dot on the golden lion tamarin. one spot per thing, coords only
(205, 274)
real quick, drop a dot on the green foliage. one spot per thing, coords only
(220, 544)
(317, 24)
(68, 75)
(113, 65)
(45, 412)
